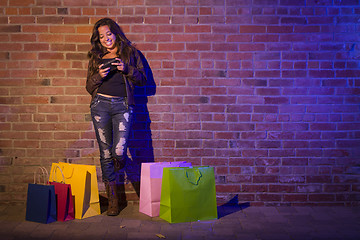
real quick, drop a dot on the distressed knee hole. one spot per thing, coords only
(97, 118)
(102, 135)
(107, 153)
(119, 150)
(126, 116)
(122, 127)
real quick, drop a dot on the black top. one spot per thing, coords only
(114, 83)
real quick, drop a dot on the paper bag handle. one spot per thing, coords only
(54, 174)
(68, 169)
(197, 179)
(44, 173)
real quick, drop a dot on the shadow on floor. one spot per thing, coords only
(231, 206)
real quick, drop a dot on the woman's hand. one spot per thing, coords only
(103, 72)
(119, 64)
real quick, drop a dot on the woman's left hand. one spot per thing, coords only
(120, 65)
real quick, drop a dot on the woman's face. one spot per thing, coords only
(107, 38)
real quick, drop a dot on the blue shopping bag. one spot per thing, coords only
(41, 202)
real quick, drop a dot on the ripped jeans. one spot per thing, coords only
(112, 122)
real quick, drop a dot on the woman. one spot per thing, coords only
(112, 89)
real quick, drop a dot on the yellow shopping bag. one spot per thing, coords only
(84, 187)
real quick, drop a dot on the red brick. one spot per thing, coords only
(171, 47)
(295, 161)
(265, 179)
(321, 74)
(214, 162)
(197, 29)
(292, 179)
(227, 188)
(252, 29)
(276, 100)
(308, 152)
(293, 74)
(279, 29)
(21, 20)
(319, 179)
(322, 197)
(22, 3)
(281, 153)
(296, 126)
(164, 29)
(268, 144)
(295, 197)
(36, 47)
(238, 179)
(36, 100)
(337, 188)
(75, 20)
(23, 73)
(266, 109)
(246, 197)
(282, 188)
(323, 126)
(303, 100)
(268, 126)
(11, 100)
(254, 188)
(268, 91)
(241, 162)
(184, 38)
(268, 197)
(348, 143)
(271, 74)
(25, 127)
(252, 47)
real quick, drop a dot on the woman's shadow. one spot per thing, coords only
(140, 146)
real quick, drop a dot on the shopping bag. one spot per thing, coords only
(188, 194)
(64, 198)
(150, 185)
(41, 201)
(84, 187)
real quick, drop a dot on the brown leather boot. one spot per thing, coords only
(113, 208)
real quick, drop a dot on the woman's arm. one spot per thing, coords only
(93, 81)
(134, 71)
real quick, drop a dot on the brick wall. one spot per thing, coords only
(266, 91)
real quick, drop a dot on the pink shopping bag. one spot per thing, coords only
(150, 185)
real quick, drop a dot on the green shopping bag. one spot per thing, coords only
(188, 194)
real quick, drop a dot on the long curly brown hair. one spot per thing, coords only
(97, 51)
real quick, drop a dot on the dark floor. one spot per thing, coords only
(233, 223)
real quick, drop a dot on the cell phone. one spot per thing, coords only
(109, 65)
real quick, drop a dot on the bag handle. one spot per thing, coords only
(197, 178)
(54, 174)
(68, 169)
(44, 173)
